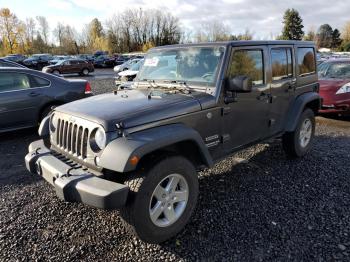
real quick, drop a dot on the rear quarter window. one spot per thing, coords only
(39, 82)
(306, 61)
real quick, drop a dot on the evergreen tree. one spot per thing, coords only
(324, 36)
(293, 25)
(336, 41)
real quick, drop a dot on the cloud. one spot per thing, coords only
(264, 18)
(61, 5)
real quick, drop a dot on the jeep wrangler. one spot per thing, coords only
(139, 148)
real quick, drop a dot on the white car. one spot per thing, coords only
(130, 74)
(126, 66)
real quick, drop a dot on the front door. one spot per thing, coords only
(18, 101)
(246, 119)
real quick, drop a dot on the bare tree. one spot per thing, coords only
(43, 28)
(346, 32)
(212, 31)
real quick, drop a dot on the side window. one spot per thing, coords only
(247, 63)
(13, 81)
(281, 63)
(306, 61)
(39, 82)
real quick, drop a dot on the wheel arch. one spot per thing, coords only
(175, 138)
(310, 100)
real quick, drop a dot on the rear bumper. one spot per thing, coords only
(74, 184)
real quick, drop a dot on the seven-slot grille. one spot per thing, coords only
(72, 138)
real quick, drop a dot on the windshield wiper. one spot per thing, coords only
(179, 85)
(168, 84)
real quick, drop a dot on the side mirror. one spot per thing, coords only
(239, 84)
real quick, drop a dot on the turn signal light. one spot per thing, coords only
(134, 160)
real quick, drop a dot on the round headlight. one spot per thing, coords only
(100, 138)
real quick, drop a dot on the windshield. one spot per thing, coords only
(194, 65)
(334, 70)
(136, 66)
(60, 62)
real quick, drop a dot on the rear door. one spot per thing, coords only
(21, 96)
(75, 67)
(283, 84)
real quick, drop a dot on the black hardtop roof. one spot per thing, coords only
(241, 43)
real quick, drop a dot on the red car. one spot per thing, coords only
(334, 79)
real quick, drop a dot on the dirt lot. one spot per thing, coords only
(264, 208)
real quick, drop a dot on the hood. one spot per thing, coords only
(133, 107)
(128, 73)
(332, 84)
(28, 60)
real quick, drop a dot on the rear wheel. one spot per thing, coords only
(85, 72)
(162, 199)
(298, 142)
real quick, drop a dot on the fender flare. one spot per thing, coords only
(298, 107)
(117, 154)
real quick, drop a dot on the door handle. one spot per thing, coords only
(33, 94)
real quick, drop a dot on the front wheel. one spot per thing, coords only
(162, 200)
(298, 142)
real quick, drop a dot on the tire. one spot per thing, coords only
(137, 212)
(85, 72)
(56, 72)
(293, 144)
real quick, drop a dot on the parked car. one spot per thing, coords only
(17, 58)
(38, 61)
(104, 61)
(334, 79)
(70, 66)
(7, 63)
(85, 57)
(121, 59)
(57, 58)
(139, 150)
(27, 96)
(130, 74)
(126, 66)
(100, 53)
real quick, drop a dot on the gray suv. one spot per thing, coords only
(139, 149)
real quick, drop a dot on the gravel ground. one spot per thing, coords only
(263, 208)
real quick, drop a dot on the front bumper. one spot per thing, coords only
(74, 183)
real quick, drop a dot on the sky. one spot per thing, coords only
(262, 17)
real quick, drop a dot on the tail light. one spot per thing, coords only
(88, 88)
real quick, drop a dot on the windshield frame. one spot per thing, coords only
(212, 87)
